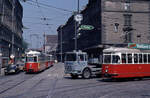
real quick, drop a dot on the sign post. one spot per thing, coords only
(78, 18)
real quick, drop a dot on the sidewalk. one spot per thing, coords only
(2, 71)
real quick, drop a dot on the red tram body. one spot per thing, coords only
(50, 61)
(125, 63)
(36, 61)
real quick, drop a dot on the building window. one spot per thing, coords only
(127, 6)
(127, 19)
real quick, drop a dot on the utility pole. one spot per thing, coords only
(44, 42)
(61, 40)
(12, 48)
(77, 25)
(3, 11)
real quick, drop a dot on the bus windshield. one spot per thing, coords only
(31, 59)
(71, 57)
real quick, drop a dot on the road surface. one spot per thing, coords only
(52, 83)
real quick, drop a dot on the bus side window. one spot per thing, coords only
(124, 58)
(135, 58)
(140, 58)
(129, 58)
(148, 58)
(145, 58)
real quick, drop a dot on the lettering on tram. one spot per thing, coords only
(125, 63)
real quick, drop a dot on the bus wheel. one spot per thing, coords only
(86, 73)
(74, 76)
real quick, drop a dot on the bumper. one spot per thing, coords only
(10, 71)
(73, 72)
(110, 75)
(30, 70)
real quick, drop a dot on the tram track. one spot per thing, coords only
(13, 86)
(106, 88)
(56, 79)
(21, 80)
(91, 85)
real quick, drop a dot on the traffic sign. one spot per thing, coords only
(78, 17)
(86, 27)
(12, 56)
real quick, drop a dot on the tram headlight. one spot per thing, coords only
(106, 70)
(38, 66)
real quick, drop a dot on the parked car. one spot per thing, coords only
(12, 68)
(20, 65)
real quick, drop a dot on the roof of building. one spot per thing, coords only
(51, 39)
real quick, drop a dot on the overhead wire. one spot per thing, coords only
(61, 9)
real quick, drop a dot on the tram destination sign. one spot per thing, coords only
(139, 46)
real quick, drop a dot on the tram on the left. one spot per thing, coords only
(35, 61)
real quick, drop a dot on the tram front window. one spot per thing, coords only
(71, 57)
(31, 59)
(107, 59)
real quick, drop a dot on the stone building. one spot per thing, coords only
(125, 21)
(87, 39)
(11, 13)
(51, 43)
(116, 23)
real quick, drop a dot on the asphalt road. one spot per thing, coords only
(52, 83)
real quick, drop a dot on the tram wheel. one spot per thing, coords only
(86, 73)
(140, 78)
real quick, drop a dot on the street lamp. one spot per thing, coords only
(78, 18)
(0, 60)
(12, 49)
(61, 40)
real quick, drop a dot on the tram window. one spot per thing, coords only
(107, 58)
(145, 58)
(31, 59)
(148, 58)
(140, 58)
(129, 58)
(123, 58)
(135, 58)
(115, 59)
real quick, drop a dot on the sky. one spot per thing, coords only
(46, 16)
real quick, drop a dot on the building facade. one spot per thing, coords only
(51, 43)
(116, 23)
(11, 13)
(87, 38)
(125, 21)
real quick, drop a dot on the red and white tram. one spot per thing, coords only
(125, 63)
(35, 61)
(49, 61)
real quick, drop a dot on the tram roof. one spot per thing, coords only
(122, 50)
(34, 52)
(76, 52)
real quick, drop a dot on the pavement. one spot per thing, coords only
(53, 83)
